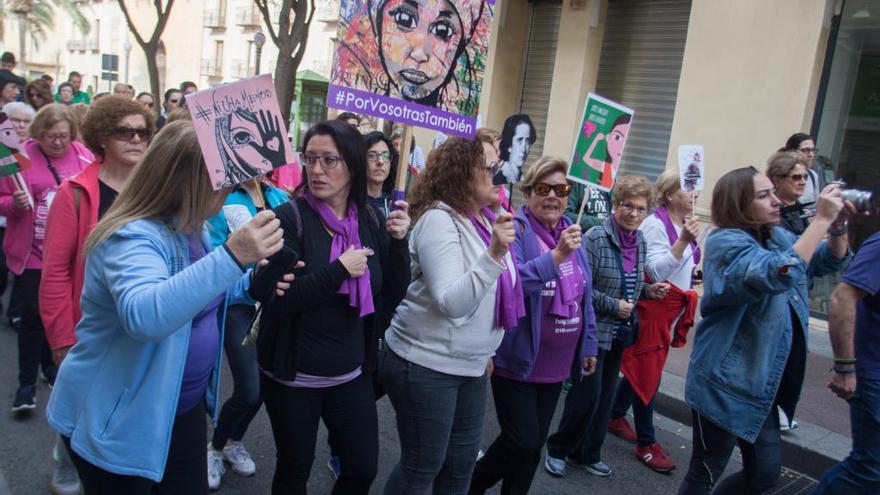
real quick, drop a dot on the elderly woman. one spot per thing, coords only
(38, 93)
(556, 339)
(21, 115)
(804, 145)
(317, 346)
(465, 294)
(617, 253)
(789, 174)
(54, 156)
(750, 348)
(672, 256)
(152, 294)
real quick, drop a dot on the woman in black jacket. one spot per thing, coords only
(317, 344)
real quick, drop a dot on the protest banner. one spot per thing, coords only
(691, 167)
(240, 129)
(599, 145)
(517, 137)
(419, 63)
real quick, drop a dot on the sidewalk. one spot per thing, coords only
(823, 437)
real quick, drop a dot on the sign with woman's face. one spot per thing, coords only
(601, 139)
(419, 62)
(240, 130)
(691, 167)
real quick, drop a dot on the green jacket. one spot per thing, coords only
(80, 97)
(597, 209)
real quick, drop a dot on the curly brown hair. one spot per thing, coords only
(448, 177)
(43, 89)
(104, 115)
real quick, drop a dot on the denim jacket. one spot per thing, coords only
(117, 390)
(742, 344)
(520, 346)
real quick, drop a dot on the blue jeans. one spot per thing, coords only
(239, 410)
(643, 415)
(762, 460)
(859, 473)
(439, 421)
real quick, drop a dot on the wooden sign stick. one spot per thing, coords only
(399, 192)
(583, 204)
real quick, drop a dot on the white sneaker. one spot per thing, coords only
(215, 468)
(239, 459)
(64, 478)
(784, 423)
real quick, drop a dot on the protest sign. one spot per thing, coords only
(419, 63)
(691, 167)
(517, 138)
(241, 130)
(599, 146)
(11, 160)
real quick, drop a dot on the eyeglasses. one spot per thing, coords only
(128, 133)
(798, 177)
(326, 161)
(809, 150)
(375, 156)
(57, 137)
(561, 190)
(629, 208)
(20, 122)
(34, 95)
(493, 168)
(174, 101)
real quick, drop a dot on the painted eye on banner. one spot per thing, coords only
(404, 18)
(241, 138)
(443, 30)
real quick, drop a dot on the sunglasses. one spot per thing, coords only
(127, 133)
(798, 177)
(561, 190)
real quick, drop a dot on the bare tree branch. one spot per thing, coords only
(131, 26)
(263, 7)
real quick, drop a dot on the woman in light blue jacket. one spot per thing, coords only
(130, 397)
(750, 349)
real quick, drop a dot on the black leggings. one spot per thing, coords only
(184, 470)
(348, 410)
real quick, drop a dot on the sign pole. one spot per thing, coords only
(399, 192)
(583, 204)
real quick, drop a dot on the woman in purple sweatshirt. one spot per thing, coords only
(556, 339)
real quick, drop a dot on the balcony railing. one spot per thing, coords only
(214, 19)
(92, 45)
(76, 45)
(211, 68)
(242, 69)
(248, 17)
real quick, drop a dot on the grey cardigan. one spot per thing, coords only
(446, 321)
(603, 248)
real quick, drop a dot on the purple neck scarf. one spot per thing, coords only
(663, 214)
(629, 245)
(570, 284)
(345, 233)
(509, 304)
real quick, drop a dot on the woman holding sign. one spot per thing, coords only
(617, 253)
(465, 294)
(557, 336)
(54, 156)
(317, 345)
(131, 394)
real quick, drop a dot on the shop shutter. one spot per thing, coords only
(538, 68)
(639, 67)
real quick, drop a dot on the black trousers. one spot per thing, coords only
(524, 411)
(587, 410)
(184, 470)
(348, 410)
(33, 349)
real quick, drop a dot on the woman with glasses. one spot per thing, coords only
(54, 156)
(804, 145)
(381, 171)
(38, 93)
(119, 131)
(20, 115)
(788, 172)
(317, 345)
(617, 252)
(556, 339)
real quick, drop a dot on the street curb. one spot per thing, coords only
(809, 449)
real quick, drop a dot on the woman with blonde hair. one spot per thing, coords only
(555, 340)
(131, 394)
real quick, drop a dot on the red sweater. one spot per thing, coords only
(644, 360)
(63, 261)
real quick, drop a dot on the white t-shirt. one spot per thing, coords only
(660, 262)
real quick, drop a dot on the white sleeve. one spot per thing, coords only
(660, 262)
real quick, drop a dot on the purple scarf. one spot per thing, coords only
(629, 245)
(509, 304)
(570, 285)
(345, 233)
(663, 214)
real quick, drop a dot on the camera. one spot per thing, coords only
(864, 201)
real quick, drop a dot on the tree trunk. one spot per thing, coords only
(285, 79)
(153, 70)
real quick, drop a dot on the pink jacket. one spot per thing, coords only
(63, 261)
(20, 222)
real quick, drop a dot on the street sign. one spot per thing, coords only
(109, 76)
(110, 63)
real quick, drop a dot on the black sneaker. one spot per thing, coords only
(24, 399)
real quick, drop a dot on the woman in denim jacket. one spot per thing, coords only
(750, 348)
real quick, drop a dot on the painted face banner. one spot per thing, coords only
(691, 167)
(240, 130)
(599, 146)
(11, 160)
(420, 62)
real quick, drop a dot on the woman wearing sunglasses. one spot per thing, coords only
(556, 339)
(788, 172)
(617, 252)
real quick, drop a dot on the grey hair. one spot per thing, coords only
(19, 107)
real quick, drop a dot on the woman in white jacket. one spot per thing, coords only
(464, 293)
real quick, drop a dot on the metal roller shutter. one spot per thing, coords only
(639, 67)
(538, 68)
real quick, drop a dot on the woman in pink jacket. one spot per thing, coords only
(54, 156)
